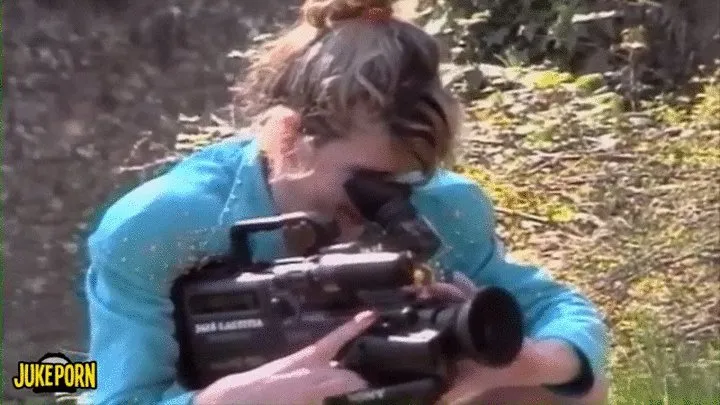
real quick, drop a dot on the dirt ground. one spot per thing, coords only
(85, 81)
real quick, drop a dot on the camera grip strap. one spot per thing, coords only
(419, 392)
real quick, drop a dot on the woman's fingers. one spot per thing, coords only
(312, 386)
(446, 292)
(461, 289)
(324, 350)
(338, 382)
(327, 347)
(304, 386)
(462, 282)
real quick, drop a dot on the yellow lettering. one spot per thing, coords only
(48, 374)
(30, 376)
(69, 375)
(79, 375)
(21, 379)
(90, 375)
(38, 371)
(59, 374)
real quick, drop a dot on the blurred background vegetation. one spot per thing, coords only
(595, 127)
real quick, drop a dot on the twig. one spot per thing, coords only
(523, 215)
(613, 156)
(593, 154)
(74, 352)
(142, 168)
(135, 147)
(675, 260)
(697, 331)
(545, 163)
(487, 142)
(584, 179)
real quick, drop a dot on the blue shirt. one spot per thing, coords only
(147, 237)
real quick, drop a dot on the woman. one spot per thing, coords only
(350, 87)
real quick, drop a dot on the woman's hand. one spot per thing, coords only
(470, 379)
(305, 377)
(474, 383)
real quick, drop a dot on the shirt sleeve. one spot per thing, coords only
(135, 254)
(552, 310)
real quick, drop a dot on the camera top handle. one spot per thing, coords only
(324, 231)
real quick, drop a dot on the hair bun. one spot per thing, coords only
(321, 14)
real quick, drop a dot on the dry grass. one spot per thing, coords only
(626, 206)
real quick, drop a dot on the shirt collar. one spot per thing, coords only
(250, 197)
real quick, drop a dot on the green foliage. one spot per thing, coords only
(547, 79)
(640, 232)
(589, 83)
(663, 372)
(708, 108)
(513, 32)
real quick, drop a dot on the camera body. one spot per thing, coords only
(234, 315)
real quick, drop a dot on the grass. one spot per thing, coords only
(624, 205)
(686, 374)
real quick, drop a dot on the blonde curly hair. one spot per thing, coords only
(335, 58)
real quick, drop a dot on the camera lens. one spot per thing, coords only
(489, 327)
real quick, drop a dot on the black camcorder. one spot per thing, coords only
(233, 314)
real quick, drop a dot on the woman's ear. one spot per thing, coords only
(281, 130)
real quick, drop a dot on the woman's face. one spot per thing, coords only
(367, 145)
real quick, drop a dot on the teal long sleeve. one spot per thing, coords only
(141, 244)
